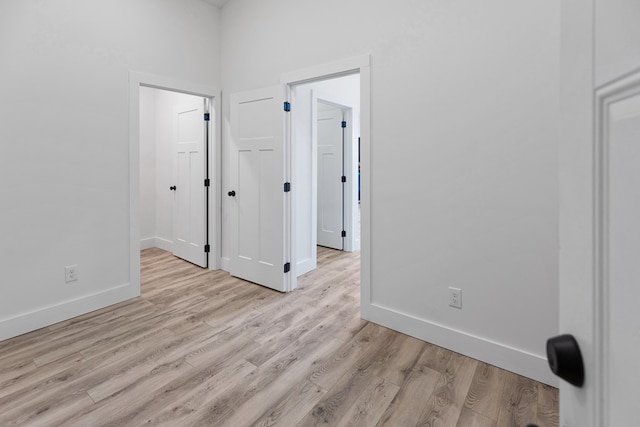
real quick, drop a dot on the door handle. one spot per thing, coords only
(231, 193)
(565, 359)
(173, 187)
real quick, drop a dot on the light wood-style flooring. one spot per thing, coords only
(202, 348)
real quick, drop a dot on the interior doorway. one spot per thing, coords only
(174, 133)
(139, 159)
(325, 128)
(333, 135)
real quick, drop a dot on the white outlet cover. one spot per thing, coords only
(455, 297)
(70, 273)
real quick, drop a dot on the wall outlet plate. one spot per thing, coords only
(455, 297)
(70, 273)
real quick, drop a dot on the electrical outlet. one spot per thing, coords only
(455, 297)
(70, 273)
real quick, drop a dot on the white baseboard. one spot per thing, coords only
(164, 244)
(224, 263)
(156, 242)
(503, 356)
(148, 243)
(50, 315)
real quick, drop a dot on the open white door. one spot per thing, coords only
(330, 172)
(304, 148)
(600, 209)
(189, 207)
(258, 188)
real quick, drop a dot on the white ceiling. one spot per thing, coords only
(218, 3)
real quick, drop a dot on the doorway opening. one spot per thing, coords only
(325, 130)
(174, 175)
(174, 131)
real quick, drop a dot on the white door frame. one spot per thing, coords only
(360, 65)
(136, 80)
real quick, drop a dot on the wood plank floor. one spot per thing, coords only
(202, 348)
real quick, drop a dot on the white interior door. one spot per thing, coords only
(304, 193)
(600, 208)
(259, 206)
(330, 172)
(189, 207)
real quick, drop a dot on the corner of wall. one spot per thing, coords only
(503, 356)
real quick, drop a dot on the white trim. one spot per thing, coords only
(149, 242)
(605, 97)
(46, 316)
(501, 355)
(137, 79)
(350, 171)
(156, 242)
(290, 245)
(324, 71)
(164, 244)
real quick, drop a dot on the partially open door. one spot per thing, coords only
(330, 177)
(189, 203)
(599, 210)
(259, 189)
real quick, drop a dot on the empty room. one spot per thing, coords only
(183, 247)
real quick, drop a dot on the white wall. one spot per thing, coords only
(157, 164)
(64, 168)
(463, 156)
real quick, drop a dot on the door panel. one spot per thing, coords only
(599, 209)
(623, 329)
(189, 213)
(305, 164)
(330, 186)
(259, 206)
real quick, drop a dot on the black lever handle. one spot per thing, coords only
(565, 359)
(231, 193)
(173, 187)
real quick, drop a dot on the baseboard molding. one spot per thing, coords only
(156, 242)
(164, 244)
(225, 263)
(50, 315)
(511, 359)
(148, 243)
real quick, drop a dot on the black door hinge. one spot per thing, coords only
(207, 249)
(287, 106)
(287, 267)
(344, 178)
(287, 187)
(344, 124)
(207, 182)
(344, 233)
(207, 117)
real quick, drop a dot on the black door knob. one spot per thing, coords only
(565, 359)
(173, 187)
(231, 193)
